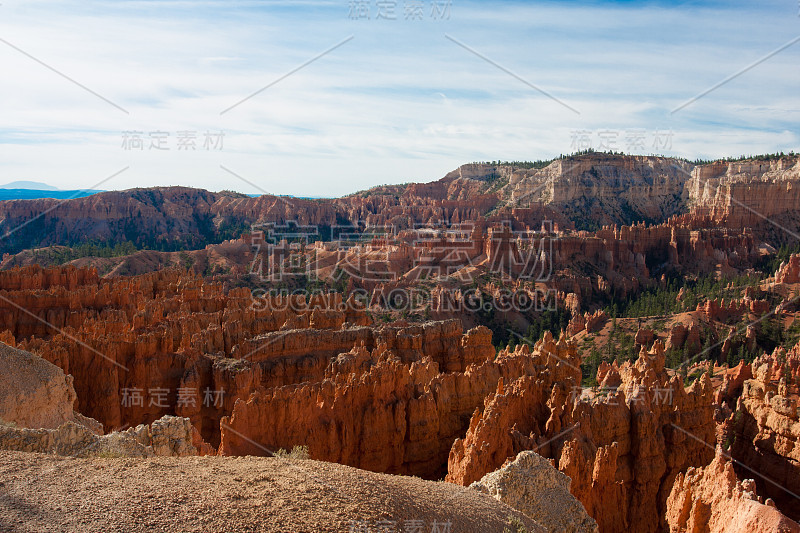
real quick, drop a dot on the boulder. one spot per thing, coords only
(532, 486)
(34, 393)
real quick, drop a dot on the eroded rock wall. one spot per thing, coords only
(743, 193)
(766, 429)
(713, 500)
(374, 409)
(622, 451)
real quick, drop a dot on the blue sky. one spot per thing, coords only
(404, 99)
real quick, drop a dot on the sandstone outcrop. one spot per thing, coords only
(712, 500)
(36, 415)
(732, 310)
(381, 409)
(168, 436)
(34, 393)
(789, 272)
(521, 413)
(766, 429)
(622, 449)
(589, 322)
(733, 383)
(644, 337)
(167, 343)
(531, 485)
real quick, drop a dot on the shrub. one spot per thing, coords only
(297, 452)
(516, 526)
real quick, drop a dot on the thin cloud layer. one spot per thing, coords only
(398, 102)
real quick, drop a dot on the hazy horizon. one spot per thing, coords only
(48, 187)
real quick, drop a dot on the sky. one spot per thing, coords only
(326, 98)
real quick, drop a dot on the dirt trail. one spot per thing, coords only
(231, 494)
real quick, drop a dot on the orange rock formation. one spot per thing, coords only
(622, 450)
(713, 500)
(766, 429)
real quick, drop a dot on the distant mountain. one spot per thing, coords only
(35, 185)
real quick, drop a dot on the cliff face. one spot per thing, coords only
(36, 415)
(713, 500)
(744, 193)
(599, 189)
(144, 338)
(586, 192)
(140, 215)
(616, 259)
(372, 410)
(622, 451)
(524, 410)
(192, 218)
(394, 398)
(391, 409)
(766, 429)
(33, 392)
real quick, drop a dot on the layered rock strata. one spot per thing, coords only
(36, 401)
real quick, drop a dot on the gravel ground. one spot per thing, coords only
(230, 494)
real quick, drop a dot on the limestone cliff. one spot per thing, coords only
(744, 193)
(600, 189)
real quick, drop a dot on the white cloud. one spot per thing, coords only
(399, 102)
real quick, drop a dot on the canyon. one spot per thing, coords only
(619, 332)
(426, 399)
